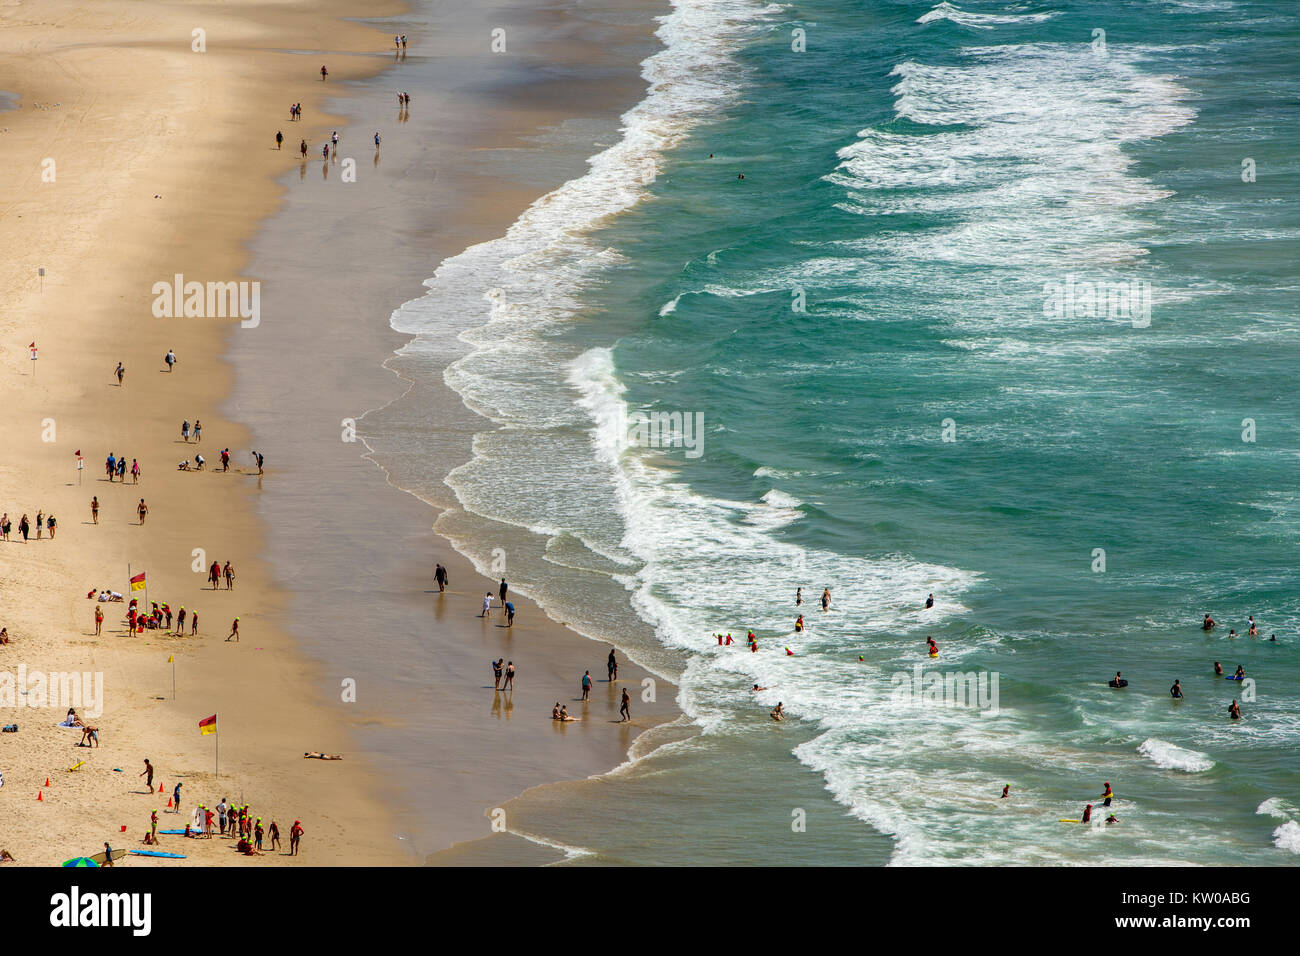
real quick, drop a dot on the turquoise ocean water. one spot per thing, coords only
(899, 397)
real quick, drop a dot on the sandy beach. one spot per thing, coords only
(132, 157)
(139, 158)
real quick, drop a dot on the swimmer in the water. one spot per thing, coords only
(1118, 680)
(1209, 623)
(1272, 637)
(826, 599)
(798, 596)
(1176, 691)
(778, 713)
(1112, 819)
(1231, 633)
(757, 688)
(1234, 710)
(1006, 792)
(1253, 631)
(1218, 669)
(1240, 673)
(929, 602)
(798, 625)
(1087, 814)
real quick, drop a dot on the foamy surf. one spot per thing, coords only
(1169, 756)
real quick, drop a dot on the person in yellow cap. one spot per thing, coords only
(234, 630)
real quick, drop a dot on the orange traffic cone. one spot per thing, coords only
(39, 797)
(160, 789)
(169, 803)
(47, 781)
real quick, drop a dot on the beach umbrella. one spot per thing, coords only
(81, 861)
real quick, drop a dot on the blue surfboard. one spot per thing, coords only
(174, 856)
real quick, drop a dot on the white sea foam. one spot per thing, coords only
(982, 21)
(1287, 837)
(1172, 757)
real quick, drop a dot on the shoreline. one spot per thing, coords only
(104, 232)
(420, 721)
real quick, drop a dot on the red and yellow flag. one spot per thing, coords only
(208, 725)
(137, 582)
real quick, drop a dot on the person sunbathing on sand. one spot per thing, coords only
(564, 714)
(321, 756)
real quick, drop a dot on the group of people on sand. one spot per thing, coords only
(226, 820)
(115, 467)
(44, 524)
(1207, 625)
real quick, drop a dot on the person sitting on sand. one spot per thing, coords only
(564, 714)
(72, 720)
(555, 711)
(778, 713)
(4, 635)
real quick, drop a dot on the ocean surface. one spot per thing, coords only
(1003, 311)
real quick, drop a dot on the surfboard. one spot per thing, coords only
(1234, 677)
(934, 653)
(102, 858)
(174, 856)
(176, 832)
(1067, 821)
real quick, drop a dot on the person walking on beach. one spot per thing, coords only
(121, 469)
(180, 622)
(611, 665)
(5, 525)
(170, 357)
(440, 575)
(279, 139)
(497, 666)
(176, 799)
(120, 373)
(487, 604)
(194, 623)
(234, 631)
(40, 523)
(296, 831)
(229, 572)
(99, 620)
(135, 472)
(51, 525)
(225, 459)
(334, 140)
(502, 591)
(198, 430)
(624, 708)
(94, 509)
(586, 685)
(147, 773)
(303, 148)
(142, 510)
(24, 526)
(275, 836)
(214, 574)
(323, 73)
(510, 677)
(185, 430)
(376, 140)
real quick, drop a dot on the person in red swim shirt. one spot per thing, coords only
(729, 640)
(798, 625)
(932, 647)
(1087, 814)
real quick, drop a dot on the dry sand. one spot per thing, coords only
(160, 165)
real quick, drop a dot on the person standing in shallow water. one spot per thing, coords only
(586, 685)
(826, 599)
(611, 664)
(440, 575)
